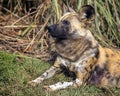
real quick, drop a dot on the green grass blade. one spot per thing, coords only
(57, 9)
(27, 30)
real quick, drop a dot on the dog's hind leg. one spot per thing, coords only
(63, 85)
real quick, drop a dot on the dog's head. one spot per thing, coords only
(72, 24)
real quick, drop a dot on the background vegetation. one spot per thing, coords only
(23, 22)
(23, 33)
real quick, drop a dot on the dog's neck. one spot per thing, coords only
(72, 49)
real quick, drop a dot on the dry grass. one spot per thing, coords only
(22, 31)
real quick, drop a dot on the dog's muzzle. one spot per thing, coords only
(51, 28)
(56, 32)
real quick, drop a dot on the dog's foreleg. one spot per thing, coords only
(47, 74)
(63, 85)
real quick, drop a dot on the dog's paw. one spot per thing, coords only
(32, 83)
(47, 88)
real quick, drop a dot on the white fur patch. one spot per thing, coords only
(38, 80)
(63, 85)
(80, 63)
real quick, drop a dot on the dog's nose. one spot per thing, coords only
(50, 28)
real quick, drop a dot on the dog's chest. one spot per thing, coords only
(76, 66)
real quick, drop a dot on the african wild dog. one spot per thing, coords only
(79, 52)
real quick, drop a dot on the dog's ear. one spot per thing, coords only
(87, 13)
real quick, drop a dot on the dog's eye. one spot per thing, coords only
(65, 22)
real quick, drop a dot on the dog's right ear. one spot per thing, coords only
(87, 13)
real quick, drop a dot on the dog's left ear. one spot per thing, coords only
(87, 13)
